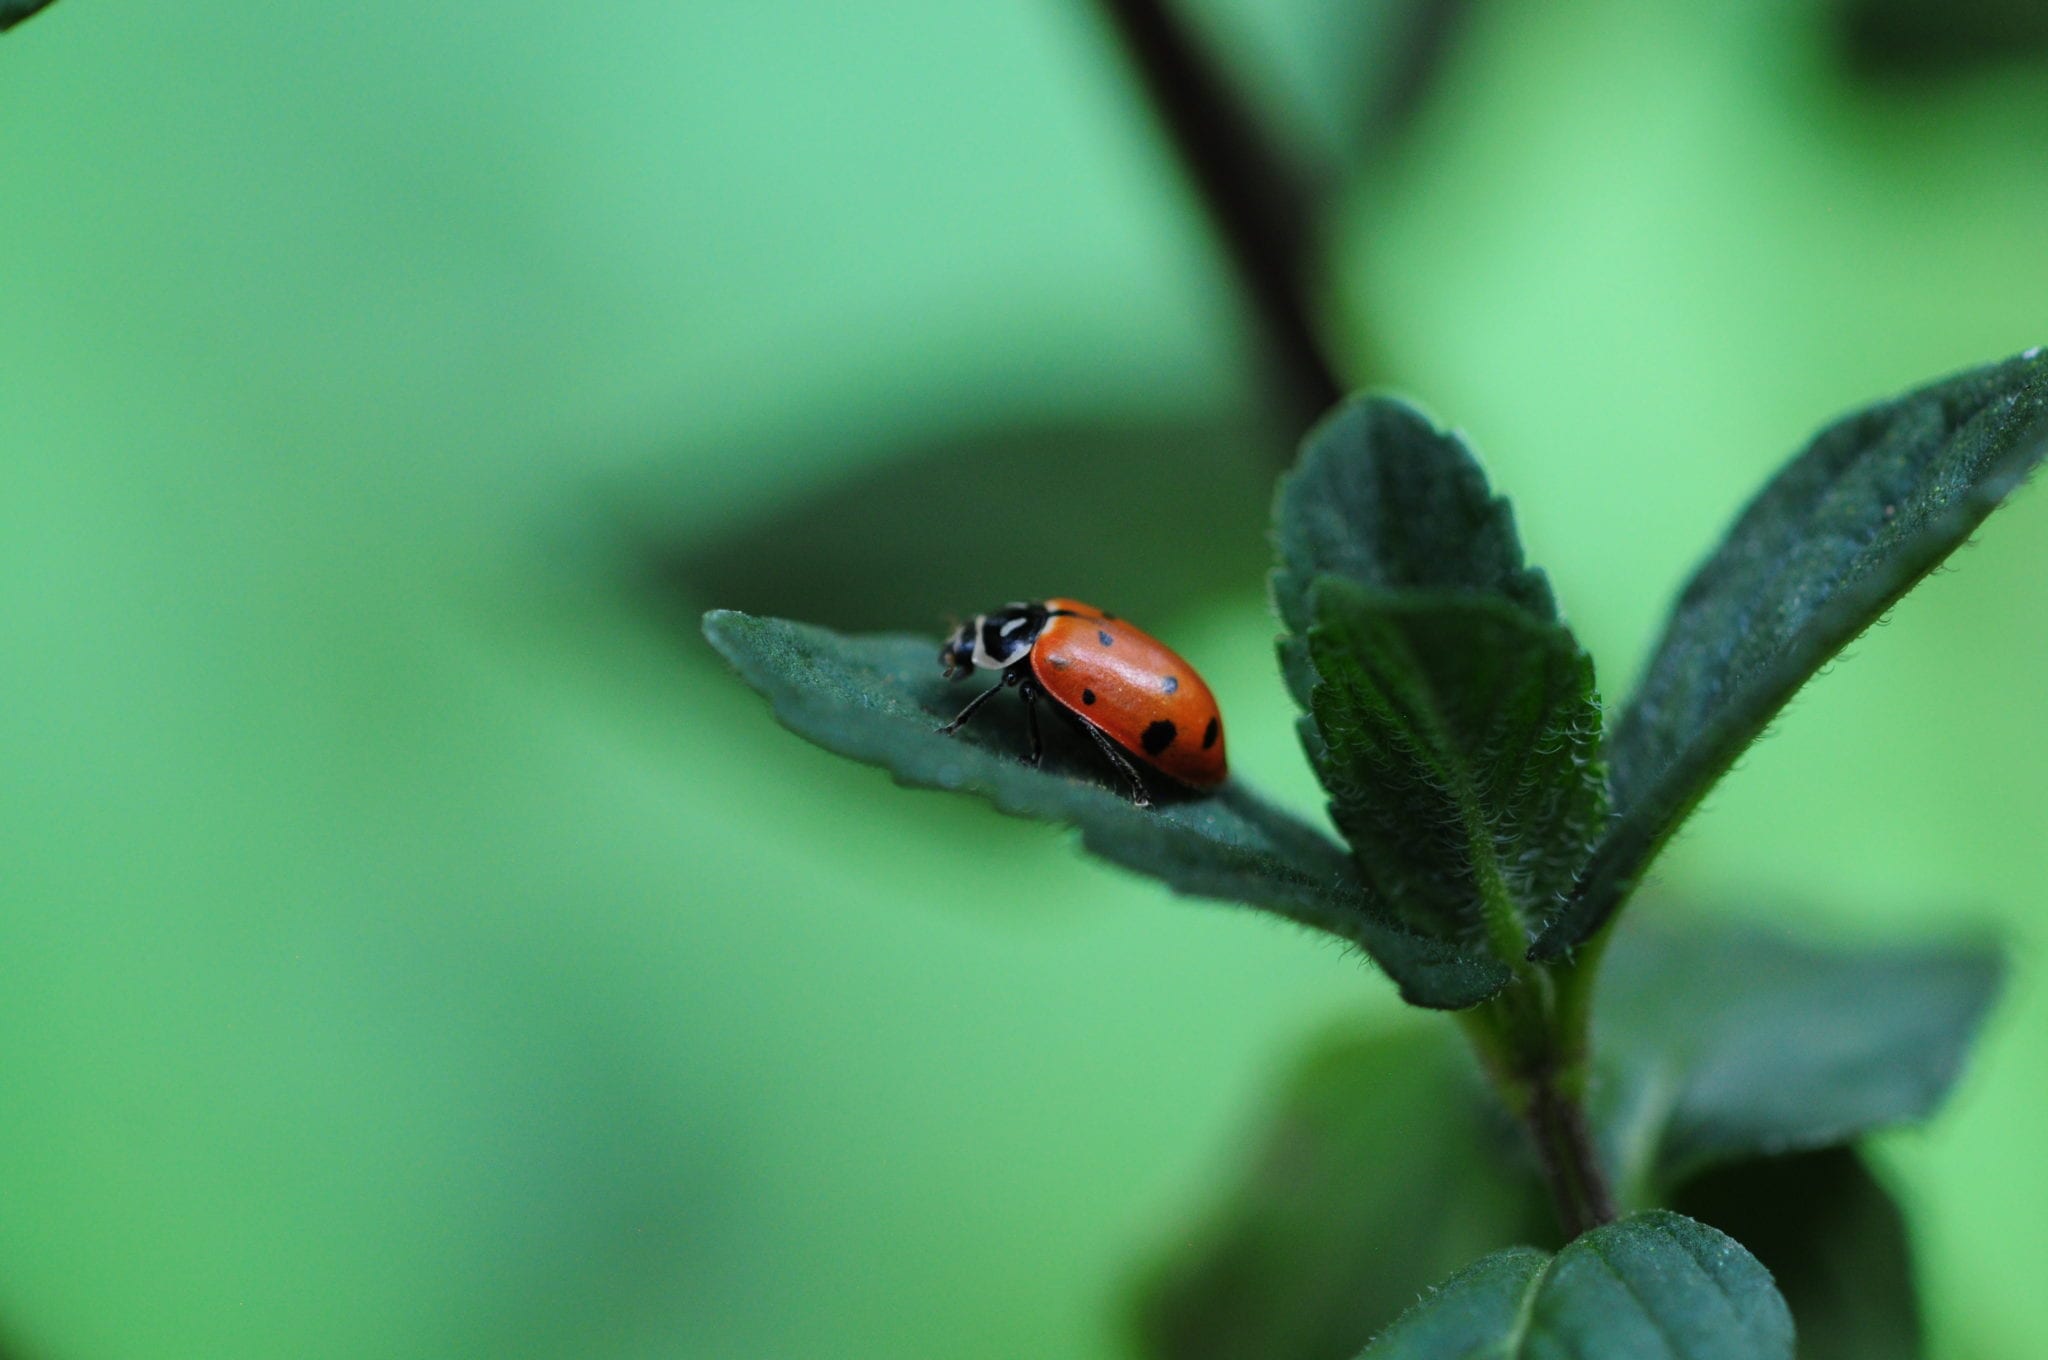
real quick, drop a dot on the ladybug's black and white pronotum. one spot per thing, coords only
(1123, 687)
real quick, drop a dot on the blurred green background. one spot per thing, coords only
(415, 944)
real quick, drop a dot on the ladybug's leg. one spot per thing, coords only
(1115, 757)
(1122, 762)
(976, 702)
(1029, 692)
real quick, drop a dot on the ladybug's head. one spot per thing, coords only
(994, 641)
(956, 658)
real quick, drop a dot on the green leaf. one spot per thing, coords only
(1656, 1286)
(1477, 1312)
(1460, 745)
(13, 12)
(1384, 1166)
(1872, 505)
(1834, 1241)
(878, 699)
(1718, 1043)
(1382, 498)
(1455, 726)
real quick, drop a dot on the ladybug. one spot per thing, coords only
(1126, 689)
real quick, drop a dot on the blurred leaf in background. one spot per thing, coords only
(1149, 518)
(1842, 1254)
(1690, 1035)
(1384, 1166)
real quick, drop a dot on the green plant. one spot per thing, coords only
(1497, 825)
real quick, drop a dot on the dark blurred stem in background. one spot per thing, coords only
(1534, 1037)
(1429, 30)
(1254, 196)
(13, 12)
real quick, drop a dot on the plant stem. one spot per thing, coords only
(1419, 49)
(1253, 195)
(1574, 999)
(1556, 1120)
(1534, 1041)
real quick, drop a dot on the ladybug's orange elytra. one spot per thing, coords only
(1129, 691)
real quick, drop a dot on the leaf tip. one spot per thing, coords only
(718, 625)
(1987, 957)
(739, 638)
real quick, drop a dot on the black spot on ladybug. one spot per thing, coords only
(1168, 684)
(1104, 638)
(1211, 732)
(1087, 696)
(1158, 737)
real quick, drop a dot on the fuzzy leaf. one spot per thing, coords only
(1656, 1286)
(1385, 1165)
(1873, 504)
(1834, 1241)
(878, 699)
(13, 12)
(1719, 1043)
(1460, 745)
(1477, 1312)
(1383, 498)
